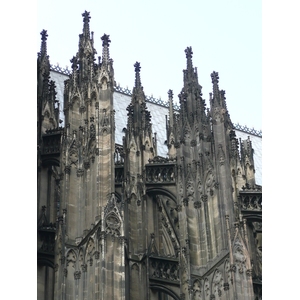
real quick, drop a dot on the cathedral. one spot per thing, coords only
(139, 198)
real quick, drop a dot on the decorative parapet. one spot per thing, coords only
(54, 130)
(164, 269)
(160, 173)
(251, 201)
(51, 142)
(162, 160)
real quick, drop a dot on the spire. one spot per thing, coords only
(44, 44)
(170, 128)
(189, 53)
(137, 68)
(105, 51)
(86, 25)
(215, 81)
(170, 93)
(137, 109)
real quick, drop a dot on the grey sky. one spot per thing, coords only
(226, 36)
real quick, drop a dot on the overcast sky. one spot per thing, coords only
(226, 36)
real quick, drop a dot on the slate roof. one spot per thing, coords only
(158, 114)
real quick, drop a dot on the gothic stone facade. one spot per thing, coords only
(121, 222)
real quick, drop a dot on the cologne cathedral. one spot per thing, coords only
(139, 198)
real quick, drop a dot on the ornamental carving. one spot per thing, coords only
(185, 201)
(80, 172)
(176, 145)
(199, 186)
(167, 270)
(204, 198)
(179, 208)
(209, 180)
(71, 258)
(101, 235)
(77, 274)
(90, 247)
(210, 184)
(80, 257)
(206, 289)
(228, 272)
(197, 289)
(84, 268)
(249, 272)
(197, 204)
(217, 283)
(62, 260)
(180, 189)
(68, 170)
(190, 189)
(113, 225)
(232, 268)
(160, 173)
(221, 155)
(193, 143)
(73, 155)
(86, 164)
(92, 132)
(251, 202)
(91, 261)
(240, 258)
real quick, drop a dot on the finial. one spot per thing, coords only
(215, 80)
(44, 39)
(74, 63)
(189, 54)
(105, 51)
(44, 35)
(86, 20)
(52, 90)
(170, 93)
(106, 40)
(137, 68)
